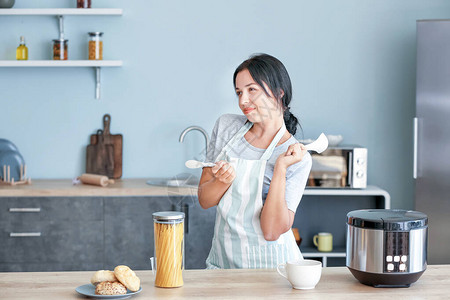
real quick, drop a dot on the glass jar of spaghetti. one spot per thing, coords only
(60, 49)
(95, 45)
(169, 248)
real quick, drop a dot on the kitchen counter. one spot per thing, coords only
(64, 187)
(139, 187)
(335, 283)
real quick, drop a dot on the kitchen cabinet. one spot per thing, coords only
(89, 233)
(77, 233)
(50, 233)
(60, 13)
(114, 225)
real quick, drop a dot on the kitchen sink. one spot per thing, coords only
(176, 181)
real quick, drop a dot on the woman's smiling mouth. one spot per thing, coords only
(248, 110)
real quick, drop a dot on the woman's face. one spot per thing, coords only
(254, 102)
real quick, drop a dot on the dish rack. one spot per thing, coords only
(6, 179)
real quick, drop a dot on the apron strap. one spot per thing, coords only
(237, 137)
(268, 153)
(240, 134)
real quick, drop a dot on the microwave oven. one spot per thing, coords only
(339, 167)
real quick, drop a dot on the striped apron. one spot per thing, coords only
(238, 240)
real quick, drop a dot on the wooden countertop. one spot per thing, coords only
(335, 283)
(139, 187)
(65, 187)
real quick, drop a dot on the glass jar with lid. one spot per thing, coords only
(83, 3)
(95, 45)
(60, 49)
(169, 248)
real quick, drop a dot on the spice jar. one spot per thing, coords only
(169, 248)
(95, 45)
(60, 48)
(83, 3)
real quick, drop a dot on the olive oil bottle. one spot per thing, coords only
(22, 50)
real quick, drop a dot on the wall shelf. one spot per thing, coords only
(60, 13)
(310, 252)
(97, 64)
(60, 63)
(369, 191)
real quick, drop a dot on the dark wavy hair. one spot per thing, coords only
(267, 69)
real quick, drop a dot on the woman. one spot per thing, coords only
(260, 172)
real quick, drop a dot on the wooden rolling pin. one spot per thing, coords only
(95, 179)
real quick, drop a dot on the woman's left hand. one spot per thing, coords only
(294, 154)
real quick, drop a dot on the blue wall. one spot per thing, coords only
(352, 64)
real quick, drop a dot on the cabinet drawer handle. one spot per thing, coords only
(24, 234)
(25, 209)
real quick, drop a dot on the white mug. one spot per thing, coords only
(302, 274)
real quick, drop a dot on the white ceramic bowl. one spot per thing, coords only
(302, 274)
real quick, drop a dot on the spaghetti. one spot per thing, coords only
(169, 248)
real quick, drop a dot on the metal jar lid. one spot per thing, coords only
(168, 216)
(387, 219)
(95, 33)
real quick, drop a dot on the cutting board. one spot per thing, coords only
(116, 140)
(100, 157)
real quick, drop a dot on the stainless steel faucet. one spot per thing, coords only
(203, 131)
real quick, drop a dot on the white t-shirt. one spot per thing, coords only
(296, 175)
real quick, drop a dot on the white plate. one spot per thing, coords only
(89, 290)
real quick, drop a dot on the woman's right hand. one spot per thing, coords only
(214, 183)
(223, 172)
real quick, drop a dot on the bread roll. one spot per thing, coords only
(128, 278)
(103, 275)
(110, 288)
